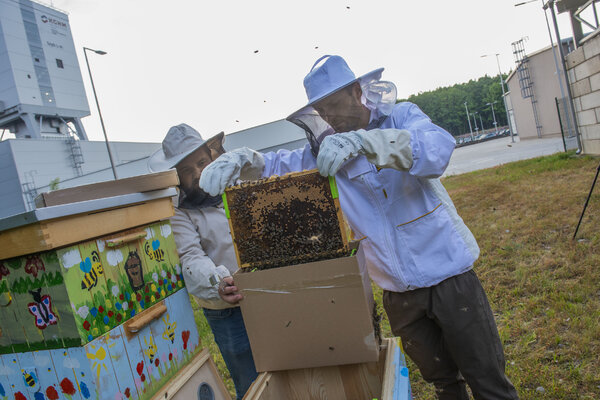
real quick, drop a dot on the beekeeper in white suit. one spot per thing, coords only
(205, 247)
(387, 159)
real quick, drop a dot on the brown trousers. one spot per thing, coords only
(449, 331)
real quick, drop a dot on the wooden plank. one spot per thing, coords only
(185, 385)
(72, 267)
(12, 371)
(84, 374)
(187, 339)
(135, 184)
(60, 232)
(102, 369)
(6, 392)
(66, 382)
(121, 365)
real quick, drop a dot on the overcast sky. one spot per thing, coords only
(230, 65)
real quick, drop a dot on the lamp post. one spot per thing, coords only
(512, 138)
(474, 115)
(480, 120)
(469, 119)
(110, 156)
(493, 114)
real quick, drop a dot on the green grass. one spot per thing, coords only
(543, 286)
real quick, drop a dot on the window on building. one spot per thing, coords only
(59, 63)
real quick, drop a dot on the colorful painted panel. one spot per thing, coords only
(32, 292)
(111, 366)
(110, 280)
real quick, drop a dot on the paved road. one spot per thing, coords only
(500, 151)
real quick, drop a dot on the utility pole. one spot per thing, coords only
(493, 114)
(469, 119)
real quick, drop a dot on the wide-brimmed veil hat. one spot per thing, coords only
(328, 75)
(181, 141)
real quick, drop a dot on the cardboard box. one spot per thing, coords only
(309, 315)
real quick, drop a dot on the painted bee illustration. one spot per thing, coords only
(151, 349)
(29, 378)
(169, 332)
(92, 270)
(155, 253)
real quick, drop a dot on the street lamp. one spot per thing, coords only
(469, 119)
(493, 114)
(503, 95)
(480, 120)
(474, 114)
(110, 156)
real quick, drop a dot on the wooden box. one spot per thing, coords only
(386, 379)
(286, 220)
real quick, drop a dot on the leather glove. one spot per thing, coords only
(336, 149)
(225, 171)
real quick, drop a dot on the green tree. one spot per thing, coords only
(446, 106)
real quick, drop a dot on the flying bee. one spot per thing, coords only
(169, 332)
(155, 253)
(151, 349)
(91, 271)
(29, 378)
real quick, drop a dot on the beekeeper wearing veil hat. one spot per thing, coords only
(205, 248)
(387, 159)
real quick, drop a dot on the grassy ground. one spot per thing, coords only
(543, 286)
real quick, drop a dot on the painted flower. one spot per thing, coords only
(125, 306)
(20, 396)
(177, 269)
(51, 393)
(3, 271)
(153, 287)
(163, 273)
(67, 387)
(154, 277)
(108, 304)
(115, 290)
(33, 264)
(127, 393)
(83, 311)
(86, 325)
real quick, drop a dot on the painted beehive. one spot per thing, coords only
(286, 220)
(69, 296)
(116, 365)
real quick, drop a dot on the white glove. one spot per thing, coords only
(242, 163)
(336, 149)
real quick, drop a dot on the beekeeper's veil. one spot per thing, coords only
(329, 75)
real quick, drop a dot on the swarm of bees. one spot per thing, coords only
(286, 220)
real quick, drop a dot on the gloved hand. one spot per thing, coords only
(337, 148)
(223, 172)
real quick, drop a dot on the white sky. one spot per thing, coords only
(178, 61)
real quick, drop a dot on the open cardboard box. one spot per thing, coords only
(309, 315)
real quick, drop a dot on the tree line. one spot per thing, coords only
(446, 106)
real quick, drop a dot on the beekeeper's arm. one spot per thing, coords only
(418, 146)
(247, 164)
(202, 277)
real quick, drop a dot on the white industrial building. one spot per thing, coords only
(41, 88)
(42, 101)
(29, 166)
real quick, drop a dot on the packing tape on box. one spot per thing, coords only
(336, 282)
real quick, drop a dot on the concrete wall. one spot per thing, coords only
(546, 88)
(583, 66)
